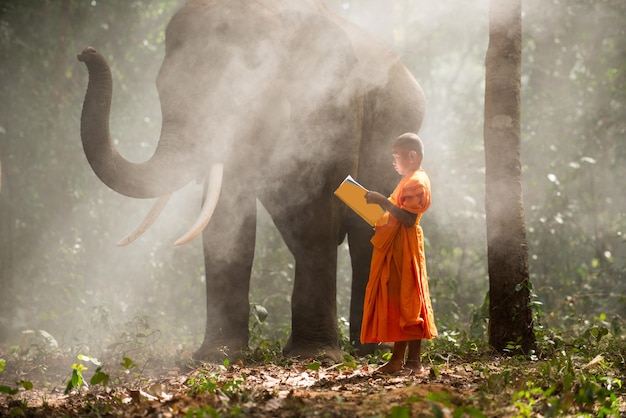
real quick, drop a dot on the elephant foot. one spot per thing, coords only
(324, 353)
(214, 353)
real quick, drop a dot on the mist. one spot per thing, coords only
(62, 273)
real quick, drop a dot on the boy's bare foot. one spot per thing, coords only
(391, 367)
(415, 365)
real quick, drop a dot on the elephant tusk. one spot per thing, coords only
(152, 216)
(213, 187)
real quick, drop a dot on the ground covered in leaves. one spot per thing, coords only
(55, 385)
(297, 389)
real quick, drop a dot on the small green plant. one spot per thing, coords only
(378, 357)
(212, 384)
(207, 382)
(209, 411)
(100, 377)
(524, 400)
(77, 380)
(128, 364)
(344, 335)
(349, 363)
(8, 390)
(438, 400)
(202, 411)
(401, 411)
(314, 366)
(136, 336)
(202, 384)
(453, 344)
(262, 349)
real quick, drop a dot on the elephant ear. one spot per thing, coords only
(320, 59)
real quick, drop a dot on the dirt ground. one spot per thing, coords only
(296, 390)
(169, 388)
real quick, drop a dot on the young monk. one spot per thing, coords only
(397, 301)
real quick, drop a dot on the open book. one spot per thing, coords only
(353, 195)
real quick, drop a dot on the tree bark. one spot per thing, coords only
(510, 316)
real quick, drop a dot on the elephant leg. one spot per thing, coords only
(314, 330)
(229, 243)
(311, 234)
(359, 236)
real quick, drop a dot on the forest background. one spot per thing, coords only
(60, 271)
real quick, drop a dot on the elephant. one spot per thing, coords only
(271, 101)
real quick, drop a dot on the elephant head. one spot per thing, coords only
(227, 82)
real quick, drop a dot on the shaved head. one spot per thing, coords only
(409, 142)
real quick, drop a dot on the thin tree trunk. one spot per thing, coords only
(6, 208)
(6, 254)
(510, 316)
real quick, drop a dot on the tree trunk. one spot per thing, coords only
(510, 316)
(6, 254)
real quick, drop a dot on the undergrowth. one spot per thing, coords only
(573, 372)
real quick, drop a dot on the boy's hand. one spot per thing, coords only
(406, 218)
(375, 197)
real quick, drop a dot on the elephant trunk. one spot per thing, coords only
(168, 169)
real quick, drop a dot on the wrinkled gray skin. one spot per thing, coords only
(291, 99)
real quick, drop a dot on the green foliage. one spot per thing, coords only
(203, 384)
(400, 412)
(314, 366)
(209, 411)
(212, 384)
(76, 380)
(258, 316)
(27, 385)
(349, 362)
(133, 336)
(562, 386)
(438, 399)
(137, 335)
(575, 220)
(441, 405)
(128, 364)
(576, 375)
(9, 390)
(202, 411)
(271, 281)
(378, 356)
(230, 395)
(263, 348)
(100, 377)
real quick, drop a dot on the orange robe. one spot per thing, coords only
(397, 300)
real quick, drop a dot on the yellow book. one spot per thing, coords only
(353, 195)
